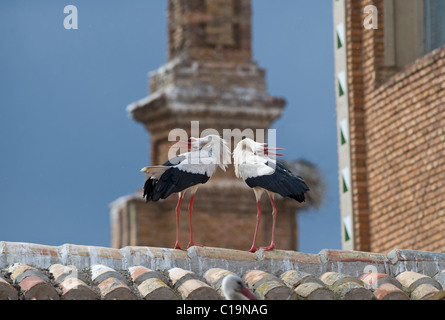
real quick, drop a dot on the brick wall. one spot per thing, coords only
(405, 124)
(397, 134)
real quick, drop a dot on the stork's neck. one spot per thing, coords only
(221, 154)
(241, 157)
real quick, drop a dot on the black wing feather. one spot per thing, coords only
(282, 181)
(171, 181)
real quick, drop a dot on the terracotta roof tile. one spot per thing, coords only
(190, 286)
(7, 291)
(268, 286)
(151, 285)
(215, 276)
(32, 271)
(76, 289)
(71, 283)
(33, 283)
(111, 284)
(418, 285)
(385, 287)
(388, 291)
(346, 287)
(307, 286)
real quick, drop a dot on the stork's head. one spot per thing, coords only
(248, 150)
(234, 289)
(249, 146)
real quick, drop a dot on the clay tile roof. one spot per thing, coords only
(72, 272)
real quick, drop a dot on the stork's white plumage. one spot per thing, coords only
(234, 289)
(262, 173)
(186, 171)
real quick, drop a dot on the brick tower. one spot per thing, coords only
(209, 77)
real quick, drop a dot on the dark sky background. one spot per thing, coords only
(68, 147)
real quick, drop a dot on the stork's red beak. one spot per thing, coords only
(267, 151)
(248, 294)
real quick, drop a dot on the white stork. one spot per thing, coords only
(186, 171)
(262, 173)
(234, 289)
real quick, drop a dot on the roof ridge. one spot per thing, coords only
(200, 259)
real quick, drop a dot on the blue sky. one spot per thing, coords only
(68, 147)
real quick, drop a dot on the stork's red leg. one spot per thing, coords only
(178, 211)
(191, 243)
(274, 216)
(258, 217)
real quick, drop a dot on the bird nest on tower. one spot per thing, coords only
(311, 174)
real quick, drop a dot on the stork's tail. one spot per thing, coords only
(153, 174)
(149, 187)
